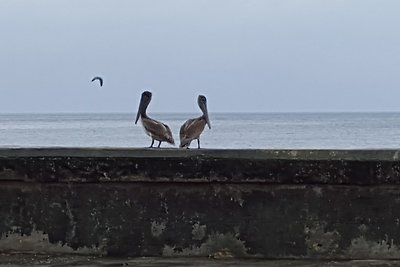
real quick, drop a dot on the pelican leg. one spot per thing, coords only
(152, 142)
(198, 143)
(159, 144)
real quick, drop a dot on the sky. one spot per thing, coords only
(243, 55)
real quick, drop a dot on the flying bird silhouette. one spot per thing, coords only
(98, 78)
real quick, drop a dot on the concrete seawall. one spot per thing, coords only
(330, 204)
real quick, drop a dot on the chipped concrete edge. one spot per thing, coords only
(217, 245)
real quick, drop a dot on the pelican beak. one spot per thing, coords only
(137, 116)
(140, 109)
(205, 112)
(207, 119)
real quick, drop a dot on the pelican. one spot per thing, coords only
(192, 128)
(155, 129)
(98, 78)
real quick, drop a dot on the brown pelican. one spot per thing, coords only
(192, 128)
(155, 129)
(98, 78)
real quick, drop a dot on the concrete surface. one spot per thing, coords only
(285, 204)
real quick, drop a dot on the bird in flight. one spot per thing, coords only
(98, 78)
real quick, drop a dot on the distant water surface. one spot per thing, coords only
(246, 130)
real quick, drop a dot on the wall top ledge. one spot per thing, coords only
(251, 154)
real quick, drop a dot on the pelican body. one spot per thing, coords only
(192, 128)
(155, 129)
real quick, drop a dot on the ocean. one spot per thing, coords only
(229, 130)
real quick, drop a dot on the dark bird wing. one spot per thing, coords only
(98, 78)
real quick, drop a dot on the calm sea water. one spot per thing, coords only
(280, 130)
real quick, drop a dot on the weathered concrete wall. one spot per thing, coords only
(220, 203)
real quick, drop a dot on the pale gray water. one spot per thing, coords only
(281, 130)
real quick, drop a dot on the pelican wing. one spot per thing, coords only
(158, 130)
(191, 130)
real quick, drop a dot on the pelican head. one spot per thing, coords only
(202, 102)
(144, 102)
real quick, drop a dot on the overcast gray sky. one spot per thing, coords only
(245, 56)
